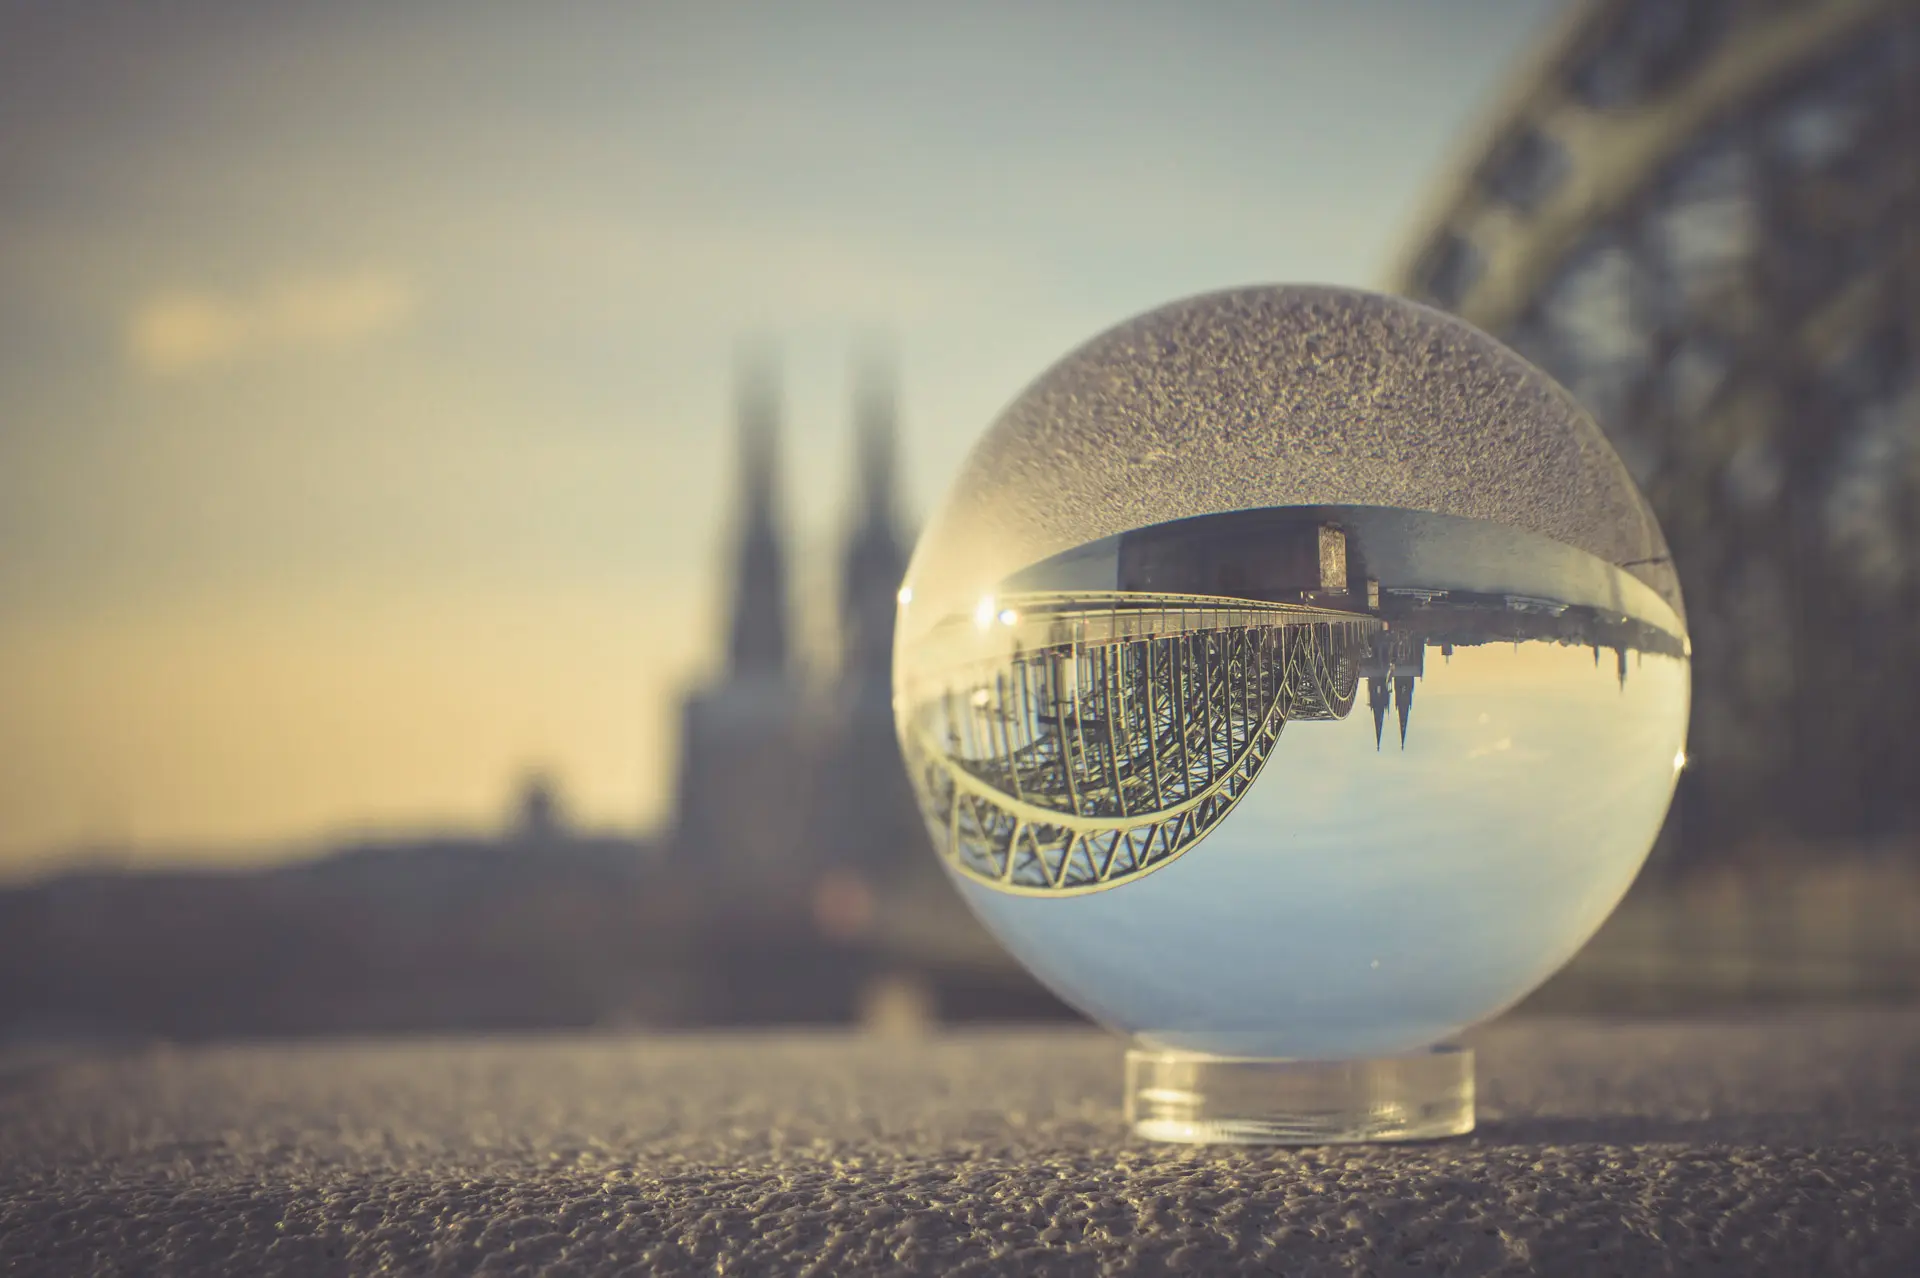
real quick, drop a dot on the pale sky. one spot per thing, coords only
(364, 403)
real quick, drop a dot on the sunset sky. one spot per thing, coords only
(364, 374)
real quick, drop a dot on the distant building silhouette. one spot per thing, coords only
(865, 818)
(538, 815)
(743, 740)
(783, 776)
(1396, 659)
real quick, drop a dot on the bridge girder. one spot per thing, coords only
(1703, 218)
(1119, 742)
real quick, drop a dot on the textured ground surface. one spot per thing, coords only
(1770, 1146)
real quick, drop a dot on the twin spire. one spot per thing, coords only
(759, 641)
(1384, 692)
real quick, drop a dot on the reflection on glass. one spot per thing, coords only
(1107, 733)
(1179, 772)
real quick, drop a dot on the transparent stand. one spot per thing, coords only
(1197, 1099)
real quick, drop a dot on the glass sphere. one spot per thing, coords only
(1292, 673)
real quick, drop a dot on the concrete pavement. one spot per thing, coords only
(1788, 1144)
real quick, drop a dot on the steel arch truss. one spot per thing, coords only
(1703, 218)
(1122, 739)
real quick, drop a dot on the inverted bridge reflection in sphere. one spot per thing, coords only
(1078, 740)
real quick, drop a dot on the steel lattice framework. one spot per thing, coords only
(1119, 730)
(1703, 217)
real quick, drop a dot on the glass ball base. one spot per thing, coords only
(1195, 1099)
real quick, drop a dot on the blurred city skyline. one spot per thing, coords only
(365, 378)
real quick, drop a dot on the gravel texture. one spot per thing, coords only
(1785, 1146)
(1281, 396)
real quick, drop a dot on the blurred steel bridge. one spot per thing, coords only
(1703, 218)
(1078, 740)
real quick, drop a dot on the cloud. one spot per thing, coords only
(180, 332)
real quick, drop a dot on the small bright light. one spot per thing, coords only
(980, 698)
(1008, 616)
(983, 612)
(1679, 760)
(905, 596)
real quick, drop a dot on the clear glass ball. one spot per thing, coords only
(1292, 673)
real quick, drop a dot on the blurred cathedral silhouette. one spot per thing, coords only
(784, 776)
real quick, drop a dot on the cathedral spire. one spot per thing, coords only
(1378, 697)
(757, 638)
(875, 559)
(876, 424)
(1403, 703)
